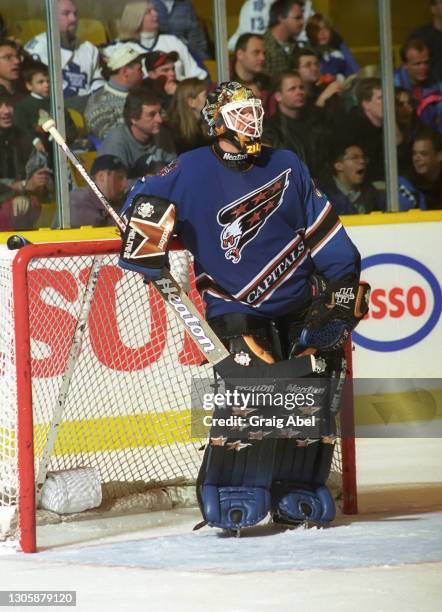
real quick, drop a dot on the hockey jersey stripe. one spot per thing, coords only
(319, 219)
(205, 281)
(272, 264)
(262, 286)
(325, 223)
(320, 245)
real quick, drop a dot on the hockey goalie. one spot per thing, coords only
(280, 280)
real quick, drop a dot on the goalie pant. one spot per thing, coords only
(246, 474)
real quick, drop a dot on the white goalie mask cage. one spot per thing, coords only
(244, 117)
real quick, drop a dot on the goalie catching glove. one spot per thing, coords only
(336, 309)
(151, 221)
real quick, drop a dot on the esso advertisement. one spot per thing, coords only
(402, 335)
(405, 303)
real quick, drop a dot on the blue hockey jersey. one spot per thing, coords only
(256, 235)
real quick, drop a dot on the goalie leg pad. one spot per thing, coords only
(233, 486)
(300, 504)
(302, 461)
(298, 490)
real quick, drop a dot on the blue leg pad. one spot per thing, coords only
(299, 504)
(234, 507)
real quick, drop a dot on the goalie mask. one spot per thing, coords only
(233, 112)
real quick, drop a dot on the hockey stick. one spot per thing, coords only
(182, 307)
(74, 352)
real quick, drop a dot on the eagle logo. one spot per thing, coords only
(243, 219)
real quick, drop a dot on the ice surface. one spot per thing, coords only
(362, 543)
(154, 562)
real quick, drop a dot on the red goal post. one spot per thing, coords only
(127, 409)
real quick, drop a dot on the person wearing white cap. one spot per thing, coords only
(79, 60)
(105, 107)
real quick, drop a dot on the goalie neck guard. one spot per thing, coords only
(234, 113)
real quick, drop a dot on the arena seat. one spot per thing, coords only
(77, 118)
(232, 24)
(87, 159)
(47, 214)
(25, 29)
(371, 55)
(211, 68)
(92, 30)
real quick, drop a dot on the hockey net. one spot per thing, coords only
(126, 411)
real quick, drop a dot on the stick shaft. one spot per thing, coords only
(72, 361)
(50, 127)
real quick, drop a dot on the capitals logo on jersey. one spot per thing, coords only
(244, 218)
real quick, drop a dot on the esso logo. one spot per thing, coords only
(405, 303)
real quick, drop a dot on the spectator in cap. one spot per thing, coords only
(161, 64)
(142, 142)
(123, 71)
(160, 68)
(139, 22)
(110, 176)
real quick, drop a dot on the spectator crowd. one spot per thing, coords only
(134, 103)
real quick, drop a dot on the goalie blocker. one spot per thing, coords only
(147, 236)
